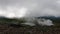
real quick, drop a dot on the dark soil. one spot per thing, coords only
(5, 29)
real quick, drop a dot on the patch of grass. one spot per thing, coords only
(11, 21)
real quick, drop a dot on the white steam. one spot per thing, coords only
(30, 8)
(45, 22)
(34, 22)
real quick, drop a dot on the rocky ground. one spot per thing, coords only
(5, 29)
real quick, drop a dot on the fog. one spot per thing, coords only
(38, 22)
(29, 8)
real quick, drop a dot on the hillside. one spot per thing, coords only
(7, 26)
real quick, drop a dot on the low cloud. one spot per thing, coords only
(31, 8)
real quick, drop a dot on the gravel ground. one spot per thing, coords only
(5, 29)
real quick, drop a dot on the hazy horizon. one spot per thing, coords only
(29, 8)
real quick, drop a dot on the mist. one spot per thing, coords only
(38, 22)
(29, 8)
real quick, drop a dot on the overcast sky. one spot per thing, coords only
(35, 8)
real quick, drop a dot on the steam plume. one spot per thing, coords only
(38, 22)
(29, 8)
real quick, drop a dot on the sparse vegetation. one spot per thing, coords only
(11, 21)
(29, 29)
